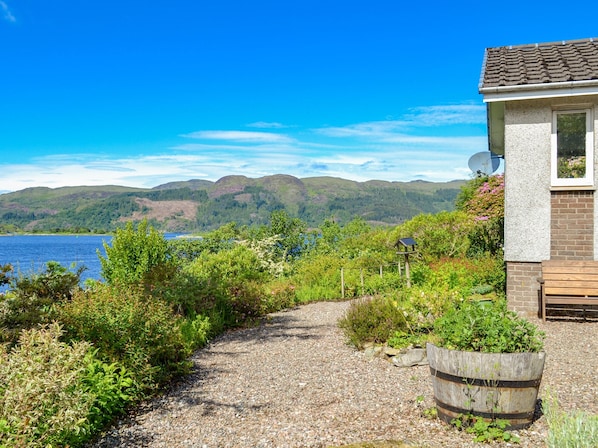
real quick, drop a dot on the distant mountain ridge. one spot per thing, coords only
(199, 205)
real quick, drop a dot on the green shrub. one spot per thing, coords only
(489, 328)
(195, 331)
(42, 401)
(445, 234)
(280, 294)
(111, 386)
(31, 298)
(462, 274)
(139, 332)
(483, 199)
(372, 320)
(134, 254)
(317, 277)
(389, 281)
(233, 283)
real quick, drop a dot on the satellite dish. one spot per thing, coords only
(485, 162)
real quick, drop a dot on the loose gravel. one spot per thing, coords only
(294, 382)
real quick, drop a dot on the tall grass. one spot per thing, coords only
(576, 429)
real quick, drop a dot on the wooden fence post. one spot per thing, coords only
(361, 277)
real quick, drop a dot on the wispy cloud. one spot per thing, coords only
(6, 13)
(417, 118)
(240, 136)
(446, 115)
(267, 125)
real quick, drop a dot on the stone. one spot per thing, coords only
(412, 357)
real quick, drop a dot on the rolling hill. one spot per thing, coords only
(200, 205)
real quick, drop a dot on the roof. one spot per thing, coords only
(540, 66)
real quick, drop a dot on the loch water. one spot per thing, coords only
(30, 253)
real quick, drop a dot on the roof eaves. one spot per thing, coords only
(545, 90)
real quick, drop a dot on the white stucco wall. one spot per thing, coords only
(528, 126)
(527, 180)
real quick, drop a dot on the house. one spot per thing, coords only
(542, 110)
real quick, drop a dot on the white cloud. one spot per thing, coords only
(7, 14)
(447, 115)
(267, 125)
(240, 136)
(420, 117)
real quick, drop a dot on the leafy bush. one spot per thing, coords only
(139, 332)
(372, 320)
(445, 234)
(111, 386)
(134, 254)
(30, 300)
(489, 328)
(42, 402)
(233, 281)
(462, 274)
(318, 277)
(280, 295)
(483, 199)
(195, 331)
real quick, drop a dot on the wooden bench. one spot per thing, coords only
(568, 282)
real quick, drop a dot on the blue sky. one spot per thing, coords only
(140, 93)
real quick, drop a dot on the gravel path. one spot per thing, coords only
(293, 382)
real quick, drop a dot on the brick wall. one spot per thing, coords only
(572, 225)
(523, 287)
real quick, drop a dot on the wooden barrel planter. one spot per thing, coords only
(487, 385)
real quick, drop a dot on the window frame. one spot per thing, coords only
(588, 180)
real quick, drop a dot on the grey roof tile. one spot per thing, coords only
(540, 63)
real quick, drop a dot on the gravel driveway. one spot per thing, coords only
(294, 382)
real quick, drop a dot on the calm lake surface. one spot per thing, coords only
(30, 253)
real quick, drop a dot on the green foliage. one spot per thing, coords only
(575, 429)
(141, 333)
(489, 328)
(291, 233)
(195, 331)
(445, 234)
(372, 320)
(225, 237)
(234, 279)
(317, 277)
(42, 401)
(112, 389)
(280, 295)
(462, 274)
(6, 271)
(31, 298)
(483, 199)
(485, 430)
(134, 254)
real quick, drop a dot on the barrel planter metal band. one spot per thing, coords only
(487, 385)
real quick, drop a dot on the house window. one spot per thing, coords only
(572, 148)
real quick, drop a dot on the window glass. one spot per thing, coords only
(571, 145)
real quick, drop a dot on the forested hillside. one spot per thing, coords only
(199, 205)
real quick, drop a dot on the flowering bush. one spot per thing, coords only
(483, 199)
(488, 201)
